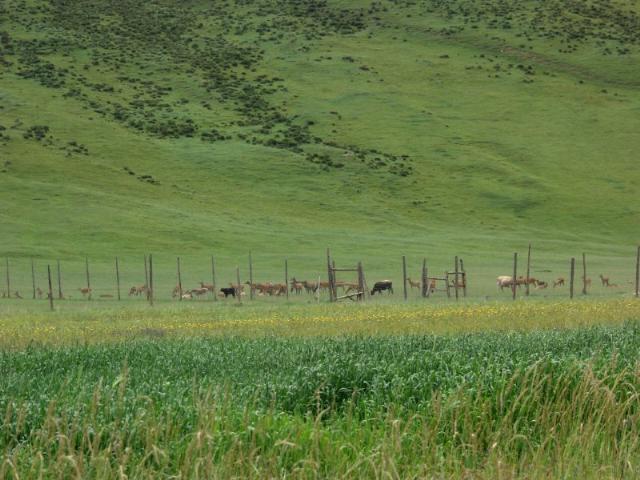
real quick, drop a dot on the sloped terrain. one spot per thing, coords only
(378, 127)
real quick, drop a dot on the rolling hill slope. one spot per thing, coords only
(280, 126)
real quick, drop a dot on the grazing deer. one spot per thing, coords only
(85, 291)
(559, 282)
(413, 284)
(504, 281)
(604, 280)
(137, 290)
(198, 292)
(278, 289)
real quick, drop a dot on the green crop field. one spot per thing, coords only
(379, 129)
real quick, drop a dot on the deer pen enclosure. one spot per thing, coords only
(199, 278)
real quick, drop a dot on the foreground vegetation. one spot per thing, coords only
(555, 403)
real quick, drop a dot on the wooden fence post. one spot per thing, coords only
(33, 278)
(330, 276)
(404, 276)
(514, 279)
(60, 295)
(286, 276)
(213, 278)
(334, 280)
(150, 293)
(238, 286)
(361, 287)
(118, 278)
(446, 281)
(50, 287)
(572, 276)
(86, 264)
(464, 279)
(146, 277)
(584, 273)
(8, 278)
(456, 276)
(424, 279)
(251, 289)
(528, 270)
(428, 283)
(638, 273)
(179, 279)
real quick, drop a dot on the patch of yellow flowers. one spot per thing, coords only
(18, 330)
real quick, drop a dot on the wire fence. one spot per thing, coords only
(203, 277)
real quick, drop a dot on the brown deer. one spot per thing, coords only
(604, 280)
(310, 287)
(198, 292)
(85, 291)
(559, 282)
(540, 284)
(296, 286)
(208, 286)
(39, 292)
(413, 284)
(137, 290)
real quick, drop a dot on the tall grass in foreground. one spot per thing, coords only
(534, 405)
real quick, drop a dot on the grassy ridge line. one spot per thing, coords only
(520, 405)
(21, 326)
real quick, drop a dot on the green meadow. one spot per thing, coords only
(277, 128)
(377, 128)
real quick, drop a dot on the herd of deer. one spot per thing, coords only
(507, 281)
(297, 287)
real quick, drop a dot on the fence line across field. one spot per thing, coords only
(456, 280)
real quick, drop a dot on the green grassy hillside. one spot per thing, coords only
(379, 128)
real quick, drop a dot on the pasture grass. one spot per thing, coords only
(510, 139)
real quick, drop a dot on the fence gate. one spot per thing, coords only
(359, 289)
